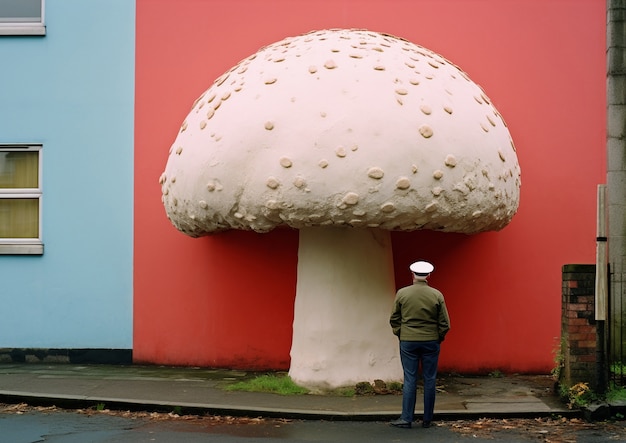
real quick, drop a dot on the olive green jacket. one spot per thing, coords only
(419, 314)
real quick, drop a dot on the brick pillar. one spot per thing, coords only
(578, 326)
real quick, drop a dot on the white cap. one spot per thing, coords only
(421, 268)
(250, 157)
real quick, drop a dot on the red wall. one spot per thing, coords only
(227, 300)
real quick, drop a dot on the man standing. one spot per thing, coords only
(420, 320)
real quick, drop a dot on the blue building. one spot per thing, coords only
(66, 174)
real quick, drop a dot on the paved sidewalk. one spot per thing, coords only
(198, 390)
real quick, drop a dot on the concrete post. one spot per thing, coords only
(616, 172)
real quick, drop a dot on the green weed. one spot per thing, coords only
(273, 383)
(618, 368)
(578, 395)
(616, 393)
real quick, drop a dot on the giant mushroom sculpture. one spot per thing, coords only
(344, 135)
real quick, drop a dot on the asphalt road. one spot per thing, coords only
(29, 425)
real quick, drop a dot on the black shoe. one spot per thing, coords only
(399, 423)
(426, 424)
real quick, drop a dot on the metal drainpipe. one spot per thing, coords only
(616, 173)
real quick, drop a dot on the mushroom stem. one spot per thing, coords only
(344, 295)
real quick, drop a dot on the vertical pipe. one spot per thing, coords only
(601, 296)
(601, 275)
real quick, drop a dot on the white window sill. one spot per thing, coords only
(21, 249)
(22, 29)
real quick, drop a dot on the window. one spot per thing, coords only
(20, 199)
(22, 17)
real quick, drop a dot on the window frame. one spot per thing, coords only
(24, 246)
(19, 27)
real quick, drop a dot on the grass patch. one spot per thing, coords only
(345, 392)
(616, 393)
(395, 386)
(282, 384)
(273, 383)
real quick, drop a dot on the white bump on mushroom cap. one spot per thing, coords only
(351, 198)
(376, 173)
(272, 182)
(450, 161)
(299, 182)
(426, 131)
(298, 108)
(403, 183)
(437, 190)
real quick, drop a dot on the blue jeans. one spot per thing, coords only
(411, 354)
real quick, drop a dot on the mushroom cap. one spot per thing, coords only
(342, 127)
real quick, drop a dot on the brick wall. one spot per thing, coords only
(578, 326)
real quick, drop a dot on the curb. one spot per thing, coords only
(184, 408)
